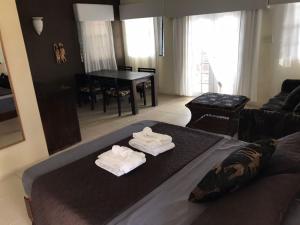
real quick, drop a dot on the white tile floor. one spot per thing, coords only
(93, 124)
(171, 109)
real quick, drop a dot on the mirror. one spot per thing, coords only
(11, 131)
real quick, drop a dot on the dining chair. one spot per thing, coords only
(111, 91)
(141, 88)
(125, 68)
(88, 88)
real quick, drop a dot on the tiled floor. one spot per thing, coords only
(93, 124)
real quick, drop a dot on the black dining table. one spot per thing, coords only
(119, 79)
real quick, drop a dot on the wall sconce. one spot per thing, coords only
(38, 24)
(268, 4)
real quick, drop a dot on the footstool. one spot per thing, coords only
(218, 113)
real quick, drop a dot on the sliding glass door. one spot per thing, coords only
(213, 50)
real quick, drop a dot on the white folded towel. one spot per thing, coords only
(154, 150)
(148, 135)
(120, 160)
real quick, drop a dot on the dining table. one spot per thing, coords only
(118, 79)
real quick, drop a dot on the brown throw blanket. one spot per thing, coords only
(83, 194)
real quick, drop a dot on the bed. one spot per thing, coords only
(7, 105)
(69, 189)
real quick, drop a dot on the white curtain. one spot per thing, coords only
(249, 49)
(97, 45)
(206, 53)
(286, 33)
(140, 42)
(182, 82)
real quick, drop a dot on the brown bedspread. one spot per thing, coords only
(83, 194)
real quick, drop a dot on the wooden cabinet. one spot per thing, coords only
(58, 112)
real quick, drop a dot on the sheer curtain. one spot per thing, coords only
(206, 50)
(97, 45)
(182, 80)
(140, 42)
(286, 33)
(249, 49)
(285, 54)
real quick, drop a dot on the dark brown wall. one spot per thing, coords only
(59, 26)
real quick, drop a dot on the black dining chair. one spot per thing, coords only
(111, 90)
(125, 68)
(141, 88)
(119, 93)
(88, 89)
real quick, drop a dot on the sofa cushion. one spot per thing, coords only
(297, 109)
(264, 202)
(286, 158)
(289, 85)
(292, 99)
(236, 170)
(276, 103)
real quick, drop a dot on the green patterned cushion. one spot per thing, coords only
(236, 170)
(148, 84)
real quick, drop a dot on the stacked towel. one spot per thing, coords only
(120, 160)
(152, 143)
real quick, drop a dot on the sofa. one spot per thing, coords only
(279, 117)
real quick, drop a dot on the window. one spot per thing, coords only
(287, 32)
(139, 38)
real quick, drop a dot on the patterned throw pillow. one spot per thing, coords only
(236, 170)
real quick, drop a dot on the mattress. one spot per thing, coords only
(167, 204)
(63, 158)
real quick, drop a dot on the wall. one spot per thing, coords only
(59, 26)
(264, 70)
(271, 73)
(279, 73)
(180, 8)
(166, 65)
(34, 147)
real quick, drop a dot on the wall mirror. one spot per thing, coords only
(11, 131)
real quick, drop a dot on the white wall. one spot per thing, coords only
(271, 74)
(34, 147)
(264, 70)
(179, 8)
(165, 67)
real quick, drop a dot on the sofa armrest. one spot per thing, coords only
(289, 85)
(260, 124)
